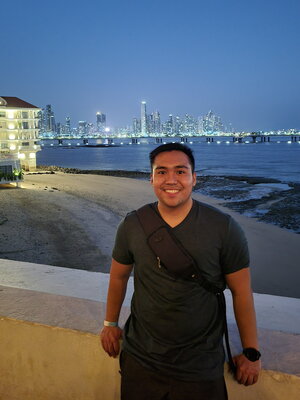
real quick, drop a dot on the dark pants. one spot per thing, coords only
(139, 383)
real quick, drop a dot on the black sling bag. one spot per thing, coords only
(178, 262)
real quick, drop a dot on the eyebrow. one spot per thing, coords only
(176, 166)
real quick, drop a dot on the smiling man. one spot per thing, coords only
(172, 341)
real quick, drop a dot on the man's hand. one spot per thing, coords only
(110, 336)
(246, 371)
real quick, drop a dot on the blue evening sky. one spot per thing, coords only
(240, 58)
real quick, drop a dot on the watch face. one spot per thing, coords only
(252, 354)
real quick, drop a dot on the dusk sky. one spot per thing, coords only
(239, 58)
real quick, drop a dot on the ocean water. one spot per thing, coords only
(277, 159)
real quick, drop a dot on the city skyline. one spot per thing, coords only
(238, 59)
(147, 124)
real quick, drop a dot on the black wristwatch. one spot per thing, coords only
(252, 354)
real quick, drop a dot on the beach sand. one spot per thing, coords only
(70, 220)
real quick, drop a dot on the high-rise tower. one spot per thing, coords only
(49, 119)
(68, 126)
(101, 121)
(156, 122)
(143, 118)
(211, 123)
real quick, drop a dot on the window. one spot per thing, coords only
(25, 125)
(25, 114)
(2, 114)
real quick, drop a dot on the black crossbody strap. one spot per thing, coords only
(177, 260)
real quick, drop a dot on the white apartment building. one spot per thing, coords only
(18, 135)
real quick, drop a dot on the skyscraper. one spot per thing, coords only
(101, 122)
(136, 126)
(49, 119)
(82, 128)
(170, 125)
(143, 118)
(190, 125)
(211, 123)
(156, 122)
(68, 126)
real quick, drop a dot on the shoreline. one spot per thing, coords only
(279, 206)
(70, 220)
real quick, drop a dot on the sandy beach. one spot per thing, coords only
(69, 220)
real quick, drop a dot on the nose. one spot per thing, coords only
(171, 177)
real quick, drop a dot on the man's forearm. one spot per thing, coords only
(116, 293)
(245, 318)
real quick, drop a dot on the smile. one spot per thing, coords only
(171, 190)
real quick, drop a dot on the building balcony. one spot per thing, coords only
(30, 148)
(50, 349)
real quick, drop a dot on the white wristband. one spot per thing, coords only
(108, 323)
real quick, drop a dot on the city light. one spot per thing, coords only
(146, 124)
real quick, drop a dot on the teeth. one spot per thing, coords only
(172, 191)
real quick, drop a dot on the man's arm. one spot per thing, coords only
(110, 335)
(240, 285)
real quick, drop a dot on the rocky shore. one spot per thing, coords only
(279, 206)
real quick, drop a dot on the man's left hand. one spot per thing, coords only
(247, 371)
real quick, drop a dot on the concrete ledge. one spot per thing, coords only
(54, 310)
(50, 348)
(51, 363)
(281, 350)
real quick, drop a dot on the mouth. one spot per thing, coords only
(172, 191)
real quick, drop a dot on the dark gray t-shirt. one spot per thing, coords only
(175, 326)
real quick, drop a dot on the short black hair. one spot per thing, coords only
(171, 147)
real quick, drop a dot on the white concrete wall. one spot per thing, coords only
(50, 348)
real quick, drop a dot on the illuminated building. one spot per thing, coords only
(211, 123)
(101, 122)
(136, 126)
(190, 125)
(19, 132)
(144, 130)
(82, 128)
(68, 127)
(170, 125)
(49, 119)
(156, 122)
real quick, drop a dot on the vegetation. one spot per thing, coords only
(16, 175)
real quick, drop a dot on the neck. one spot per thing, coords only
(173, 216)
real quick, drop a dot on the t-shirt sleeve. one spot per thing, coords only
(235, 252)
(121, 252)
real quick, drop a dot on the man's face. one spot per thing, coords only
(172, 178)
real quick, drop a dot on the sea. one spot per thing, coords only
(259, 179)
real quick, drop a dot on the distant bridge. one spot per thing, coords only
(254, 137)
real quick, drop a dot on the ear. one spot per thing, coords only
(194, 178)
